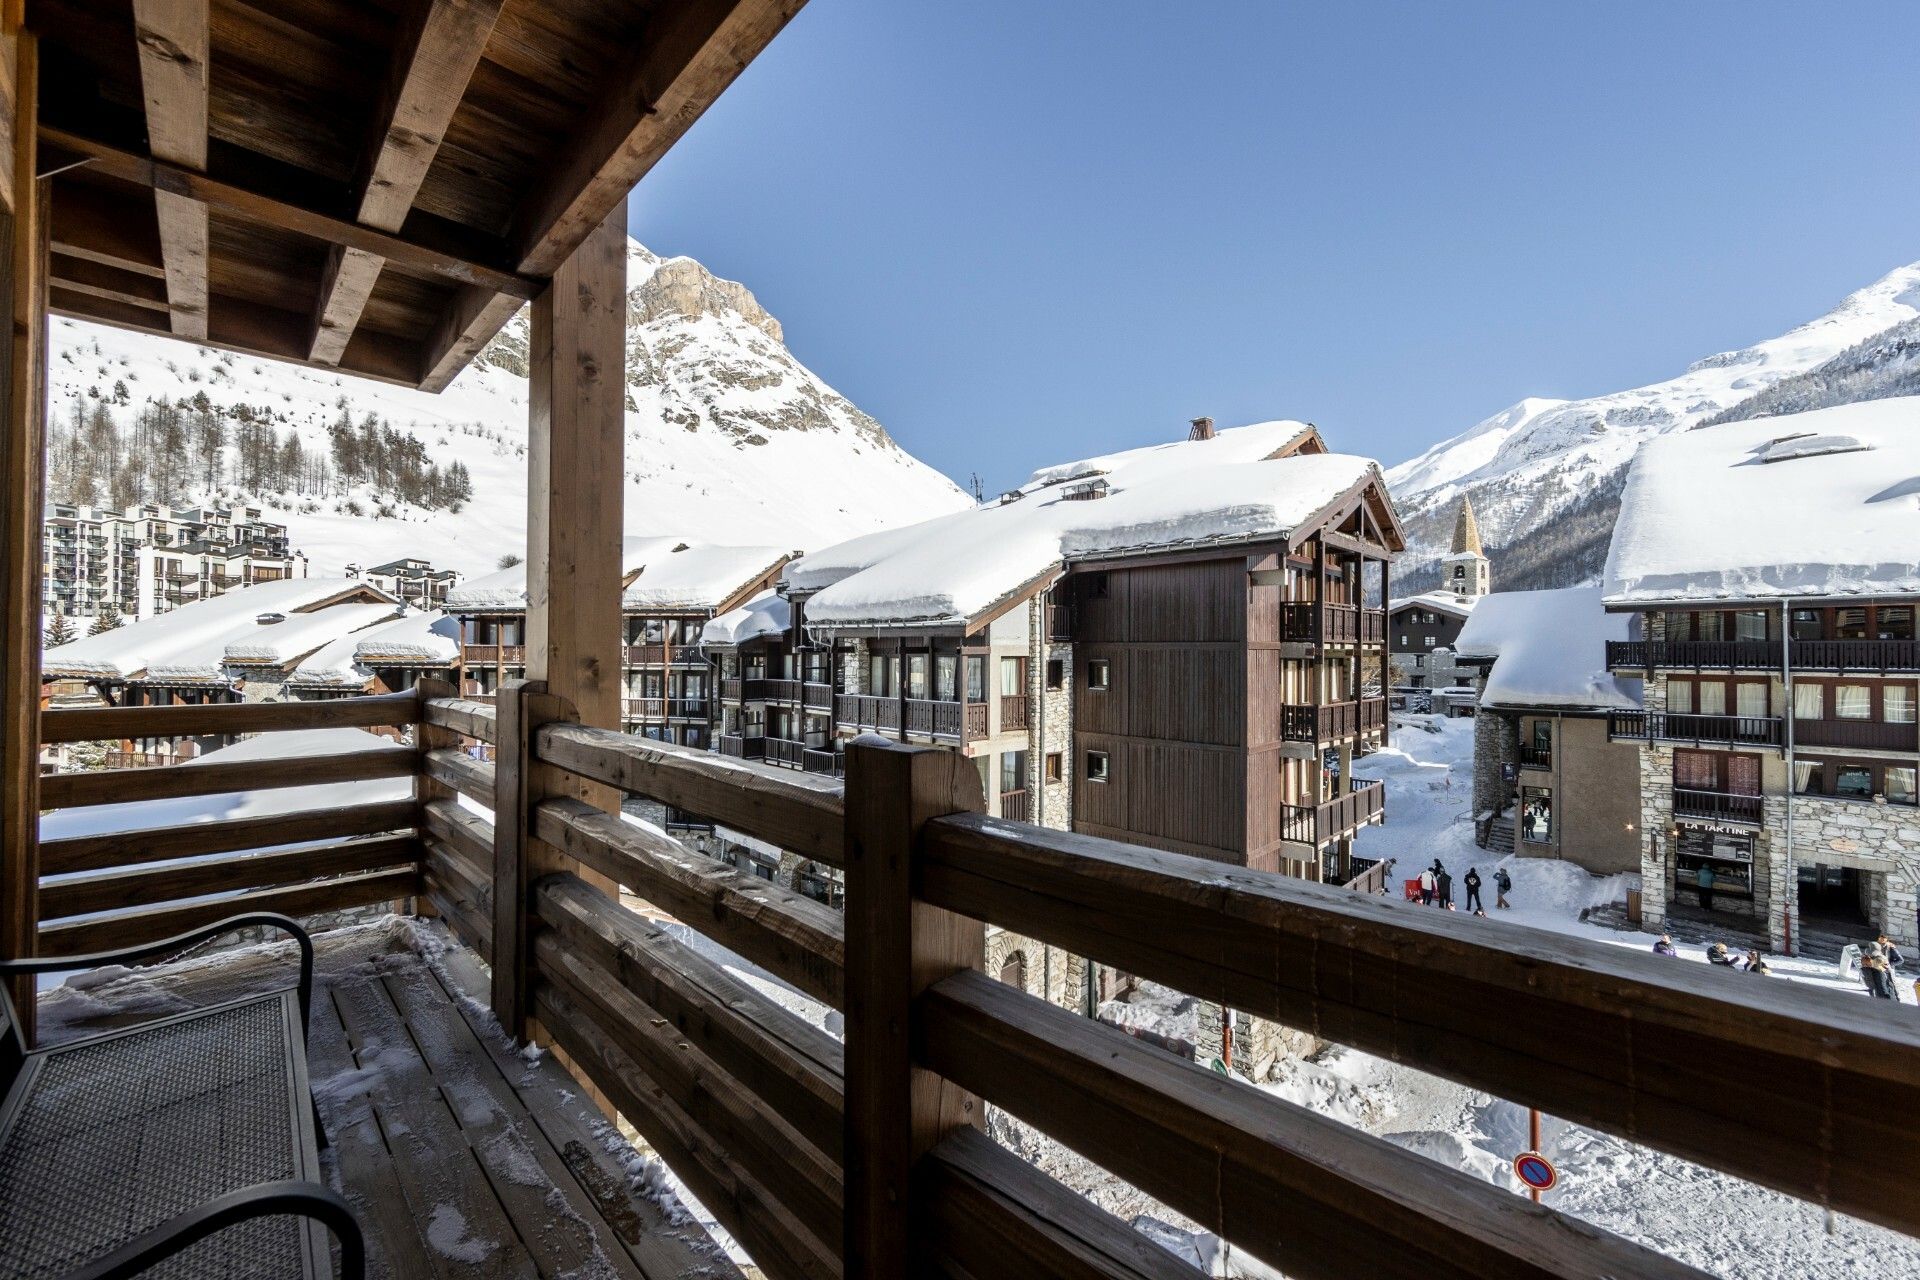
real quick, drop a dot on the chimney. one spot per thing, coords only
(1202, 429)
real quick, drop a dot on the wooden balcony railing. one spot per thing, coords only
(730, 687)
(1013, 805)
(1670, 726)
(489, 655)
(781, 690)
(644, 708)
(785, 751)
(815, 760)
(976, 721)
(830, 1158)
(688, 708)
(1369, 877)
(1720, 655)
(1533, 757)
(646, 655)
(1856, 655)
(864, 711)
(740, 747)
(1717, 806)
(817, 695)
(1336, 623)
(1332, 721)
(1875, 735)
(1013, 712)
(1331, 819)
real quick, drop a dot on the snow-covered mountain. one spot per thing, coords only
(727, 434)
(1545, 475)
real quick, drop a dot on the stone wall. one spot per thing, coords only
(1881, 841)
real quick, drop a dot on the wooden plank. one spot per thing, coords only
(434, 57)
(159, 844)
(463, 899)
(458, 771)
(108, 890)
(512, 834)
(243, 204)
(979, 1205)
(78, 790)
(126, 928)
(23, 383)
(795, 811)
(94, 724)
(896, 948)
(115, 284)
(88, 223)
(780, 1242)
(470, 322)
(734, 1120)
(1592, 1033)
(427, 739)
(792, 1064)
(464, 716)
(173, 40)
(469, 835)
(1301, 1191)
(791, 936)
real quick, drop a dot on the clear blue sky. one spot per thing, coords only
(1026, 230)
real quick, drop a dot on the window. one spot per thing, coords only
(1430, 640)
(1708, 626)
(1894, 622)
(1900, 784)
(1750, 698)
(1750, 624)
(1808, 778)
(1403, 641)
(1809, 701)
(1096, 766)
(976, 678)
(1854, 780)
(1543, 735)
(1806, 624)
(1852, 702)
(1680, 696)
(1850, 623)
(882, 672)
(1713, 698)
(1099, 675)
(1056, 673)
(1695, 771)
(917, 664)
(1055, 766)
(946, 668)
(1013, 771)
(1536, 815)
(1013, 677)
(1897, 703)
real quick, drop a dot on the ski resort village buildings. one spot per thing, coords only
(1422, 629)
(146, 560)
(1771, 566)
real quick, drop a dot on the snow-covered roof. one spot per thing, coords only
(953, 568)
(1439, 601)
(425, 638)
(182, 811)
(506, 589)
(703, 576)
(1549, 650)
(1825, 503)
(196, 634)
(767, 614)
(1251, 443)
(279, 643)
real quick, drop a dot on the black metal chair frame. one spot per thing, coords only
(268, 1199)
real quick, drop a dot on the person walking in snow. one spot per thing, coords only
(1875, 974)
(1426, 886)
(1704, 880)
(1664, 947)
(1443, 888)
(1472, 881)
(1502, 882)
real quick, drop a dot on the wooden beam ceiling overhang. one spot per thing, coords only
(173, 40)
(649, 102)
(429, 77)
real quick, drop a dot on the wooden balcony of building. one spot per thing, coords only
(494, 655)
(1315, 824)
(741, 746)
(1333, 721)
(1307, 622)
(1871, 735)
(1718, 806)
(646, 655)
(1850, 655)
(1532, 757)
(1014, 805)
(1697, 730)
(929, 718)
(811, 1150)
(1013, 713)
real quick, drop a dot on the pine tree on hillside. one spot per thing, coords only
(60, 631)
(209, 437)
(108, 619)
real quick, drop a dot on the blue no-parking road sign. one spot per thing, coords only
(1535, 1170)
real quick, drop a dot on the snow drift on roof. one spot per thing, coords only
(196, 633)
(1550, 650)
(767, 614)
(1705, 517)
(278, 643)
(704, 576)
(1439, 601)
(1252, 443)
(1808, 445)
(950, 569)
(424, 638)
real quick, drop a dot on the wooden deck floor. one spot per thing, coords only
(463, 1157)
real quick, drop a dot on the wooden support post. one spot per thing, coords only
(519, 859)
(23, 395)
(429, 737)
(896, 948)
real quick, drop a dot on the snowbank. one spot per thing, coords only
(280, 643)
(1550, 650)
(1825, 503)
(1439, 601)
(767, 614)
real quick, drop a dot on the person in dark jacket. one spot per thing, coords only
(1442, 888)
(1717, 954)
(1502, 885)
(1664, 947)
(1472, 881)
(1877, 977)
(1891, 953)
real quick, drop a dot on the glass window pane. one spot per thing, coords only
(1707, 626)
(976, 678)
(945, 673)
(1806, 778)
(1713, 698)
(1853, 780)
(1806, 624)
(1753, 698)
(1680, 696)
(917, 664)
(1012, 680)
(1852, 702)
(1743, 775)
(1899, 704)
(1536, 815)
(1895, 622)
(1750, 624)
(1850, 623)
(1809, 701)
(1900, 784)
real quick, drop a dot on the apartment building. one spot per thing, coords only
(411, 579)
(147, 560)
(1773, 572)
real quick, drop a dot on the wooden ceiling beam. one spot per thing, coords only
(673, 75)
(113, 283)
(259, 209)
(90, 223)
(173, 41)
(431, 68)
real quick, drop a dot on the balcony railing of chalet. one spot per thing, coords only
(1332, 721)
(741, 747)
(785, 751)
(1369, 876)
(644, 708)
(730, 688)
(1013, 805)
(1717, 806)
(865, 1157)
(488, 655)
(976, 721)
(814, 760)
(1876, 735)
(1536, 757)
(780, 689)
(865, 711)
(1703, 730)
(1331, 819)
(1013, 712)
(1655, 655)
(817, 695)
(687, 708)
(1856, 655)
(1338, 623)
(646, 655)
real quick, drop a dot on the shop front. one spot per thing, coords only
(1727, 852)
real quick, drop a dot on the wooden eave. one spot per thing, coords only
(1370, 494)
(356, 185)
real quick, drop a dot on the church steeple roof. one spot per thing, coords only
(1466, 530)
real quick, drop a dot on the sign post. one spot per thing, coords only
(1533, 1168)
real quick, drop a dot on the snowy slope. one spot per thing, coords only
(1540, 459)
(724, 429)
